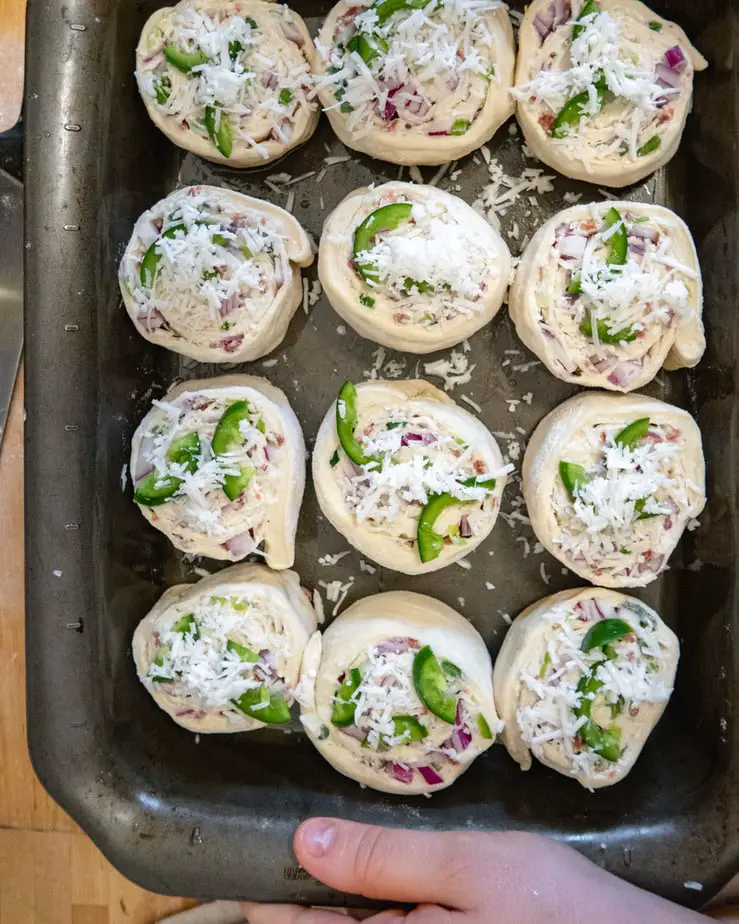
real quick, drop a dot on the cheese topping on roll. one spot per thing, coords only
(608, 293)
(582, 679)
(214, 275)
(227, 79)
(416, 83)
(409, 478)
(620, 485)
(412, 267)
(224, 654)
(603, 87)
(218, 466)
(398, 693)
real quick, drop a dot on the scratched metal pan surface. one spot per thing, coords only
(214, 818)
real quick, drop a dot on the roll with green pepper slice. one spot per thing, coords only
(575, 715)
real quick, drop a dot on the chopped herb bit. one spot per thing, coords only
(162, 88)
(655, 26)
(649, 146)
(335, 458)
(459, 127)
(367, 301)
(235, 48)
(285, 97)
(346, 107)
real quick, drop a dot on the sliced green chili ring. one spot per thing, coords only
(485, 730)
(459, 126)
(184, 61)
(590, 7)
(155, 489)
(473, 482)
(387, 8)
(639, 510)
(149, 264)
(604, 742)
(264, 706)
(604, 632)
(430, 543)
(368, 47)
(627, 335)
(410, 724)
(618, 242)
(344, 706)
(633, 433)
(187, 625)
(451, 670)
(334, 460)
(346, 424)
(185, 451)
(573, 477)
(574, 109)
(226, 438)
(649, 146)
(655, 25)
(545, 665)
(222, 136)
(244, 653)
(432, 687)
(162, 88)
(386, 218)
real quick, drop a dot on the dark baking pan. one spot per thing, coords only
(214, 817)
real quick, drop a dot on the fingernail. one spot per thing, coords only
(319, 837)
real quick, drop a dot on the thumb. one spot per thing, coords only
(392, 864)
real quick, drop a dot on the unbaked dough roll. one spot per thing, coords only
(398, 693)
(411, 267)
(581, 679)
(603, 87)
(229, 80)
(218, 465)
(608, 293)
(416, 83)
(406, 476)
(214, 274)
(223, 655)
(611, 482)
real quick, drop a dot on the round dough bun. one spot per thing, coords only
(588, 153)
(458, 248)
(275, 126)
(418, 126)
(398, 618)
(531, 708)
(201, 520)
(545, 314)
(670, 458)
(256, 297)
(277, 622)
(392, 542)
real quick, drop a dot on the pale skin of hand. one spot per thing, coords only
(463, 878)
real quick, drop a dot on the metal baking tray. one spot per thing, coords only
(214, 817)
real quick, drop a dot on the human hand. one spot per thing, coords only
(463, 877)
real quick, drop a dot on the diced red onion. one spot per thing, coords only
(674, 57)
(269, 80)
(393, 646)
(231, 344)
(637, 245)
(452, 82)
(404, 774)
(671, 505)
(547, 332)
(644, 231)
(603, 364)
(667, 76)
(228, 305)
(437, 133)
(460, 739)
(354, 732)
(572, 246)
(430, 775)
(239, 546)
(654, 564)
(667, 523)
(465, 530)
(411, 438)
(152, 320)
(625, 373)
(390, 111)
(589, 610)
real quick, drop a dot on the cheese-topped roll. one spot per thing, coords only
(406, 476)
(223, 655)
(611, 482)
(411, 267)
(398, 693)
(603, 87)
(213, 274)
(218, 465)
(229, 80)
(581, 679)
(608, 293)
(416, 83)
